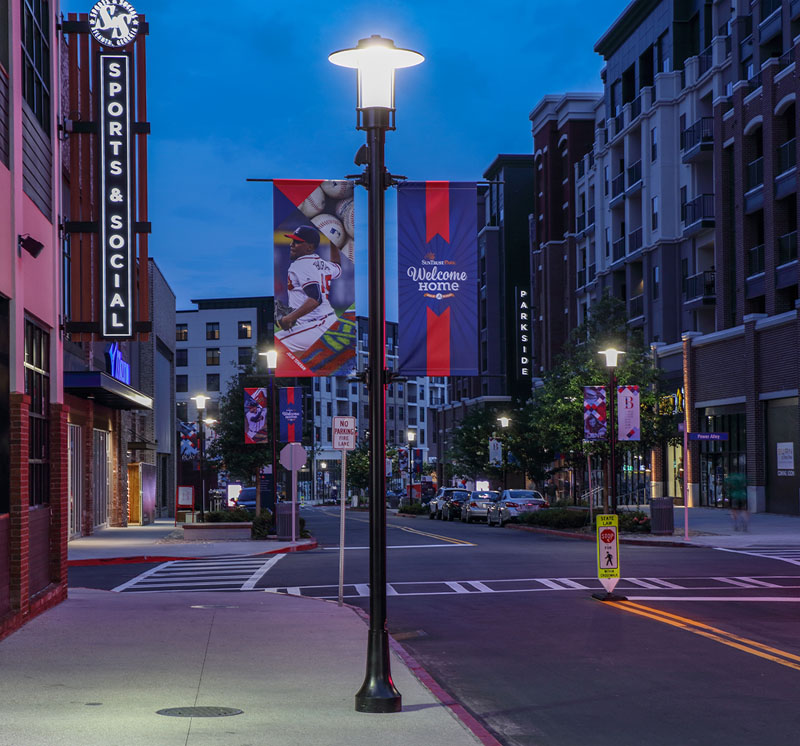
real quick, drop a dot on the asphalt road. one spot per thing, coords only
(704, 652)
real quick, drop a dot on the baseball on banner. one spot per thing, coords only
(314, 204)
(337, 189)
(330, 227)
(345, 213)
(349, 250)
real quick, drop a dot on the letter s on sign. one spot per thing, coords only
(114, 69)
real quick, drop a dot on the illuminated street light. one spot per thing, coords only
(612, 358)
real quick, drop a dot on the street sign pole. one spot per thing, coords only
(686, 480)
(344, 439)
(293, 458)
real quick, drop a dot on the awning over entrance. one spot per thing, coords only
(105, 390)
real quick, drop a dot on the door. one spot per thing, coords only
(100, 486)
(75, 479)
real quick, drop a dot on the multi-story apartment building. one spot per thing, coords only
(504, 305)
(693, 183)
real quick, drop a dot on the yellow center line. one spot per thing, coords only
(410, 530)
(712, 633)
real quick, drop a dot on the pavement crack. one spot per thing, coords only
(202, 670)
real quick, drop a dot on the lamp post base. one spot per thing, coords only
(608, 597)
(378, 693)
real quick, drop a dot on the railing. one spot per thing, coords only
(590, 216)
(580, 280)
(700, 208)
(590, 273)
(755, 174)
(701, 285)
(699, 132)
(618, 248)
(705, 60)
(786, 59)
(636, 107)
(618, 184)
(755, 260)
(619, 122)
(755, 81)
(634, 173)
(580, 223)
(636, 306)
(768, 7)
(787, 155)
(635, 240)
(787, 248)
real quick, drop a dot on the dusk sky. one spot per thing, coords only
(245, 89)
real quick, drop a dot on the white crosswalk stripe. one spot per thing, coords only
(783, 553)
(228, 574)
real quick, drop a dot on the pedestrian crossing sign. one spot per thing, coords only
(608, 550)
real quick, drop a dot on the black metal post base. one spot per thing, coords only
(609, 597)
(378, 693)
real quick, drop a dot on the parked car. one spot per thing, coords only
(512, 504)
(454, 502)
(442, 498)
(247, 499)
(478, 504)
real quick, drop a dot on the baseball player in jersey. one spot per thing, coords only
(309, 284)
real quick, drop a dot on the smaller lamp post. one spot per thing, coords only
(504, 423)
(200, 402)
(324, 466)
(612, 358)
(272, 363)
(411, 436)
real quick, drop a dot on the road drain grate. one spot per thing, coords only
(200, 712)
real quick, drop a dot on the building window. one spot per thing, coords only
(605, 180)
(654, 213)
(212, 409)
(421, 436)
(653, 143)
(317, 408)
(354, 409)
(400, 414)
(245, 330)
(212, 381)
(181, 383)
(36, 59)
(181, 358)
(181, 332)
(182, 411)
(245, 355)
(212, 330)
(330, 435)
(391, 412)
(656, 282)
(329, 409)
(37, 387)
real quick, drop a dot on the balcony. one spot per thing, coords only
(636, 307)
(580, 280)
(705, 60)
(619, 123)
(787, 156)
(634, 240)
(754, 176)
(636, 107)
(590, 273)
(634, 177)
(617, 189)
(580, 223)
(787, 248)
(755, 260)
(698, 214)
(770, 25)
(697, 140)
(794, 9)
(618, 249)
(700, 289)
(590, 217)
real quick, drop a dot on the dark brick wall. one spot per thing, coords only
(726, 359)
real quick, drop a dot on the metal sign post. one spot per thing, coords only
(293, 458)
(344, 440)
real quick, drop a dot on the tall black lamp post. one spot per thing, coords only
(376, 59)
(612, 358)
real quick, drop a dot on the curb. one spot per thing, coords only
(457, 710)
(590, 537)
(148, 558)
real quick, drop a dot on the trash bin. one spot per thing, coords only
(283, 521)
(662, 516)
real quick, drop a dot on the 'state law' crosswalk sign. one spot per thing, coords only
(608, 551)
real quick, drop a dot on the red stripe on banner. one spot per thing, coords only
(290, 395)
(290, 432)
(437, 210)
(438, 341)
(296, 190)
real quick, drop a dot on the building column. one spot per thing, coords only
(118, 514)
(754, 415)
(19, 504)
(657, 470)
(691, 455)
(87, 516)
(59, 493)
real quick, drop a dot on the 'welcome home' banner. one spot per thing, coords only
(291, 405)
(437, 247)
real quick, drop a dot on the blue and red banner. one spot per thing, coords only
(314, 277)
(437, 256)
(291, 406)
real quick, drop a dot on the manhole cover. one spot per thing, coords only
(200, 712)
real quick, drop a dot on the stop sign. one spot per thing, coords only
(607, 535)
(293, 456)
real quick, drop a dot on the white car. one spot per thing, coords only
(512, 504)
(478, 504)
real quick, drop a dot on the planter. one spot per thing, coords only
(216, 531)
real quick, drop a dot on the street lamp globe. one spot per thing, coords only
(200, 401)
(272, 358)
(612, 356)
(411, 436)
(376, 59)
(504, 421)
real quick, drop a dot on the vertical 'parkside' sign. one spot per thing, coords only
(523, 331)
(116, 234)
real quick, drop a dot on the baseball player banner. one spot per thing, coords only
(291, 406)
(595, 424)
(314, 285)
(628, 415)
(189, 440)
(437, 257)
(256, 404)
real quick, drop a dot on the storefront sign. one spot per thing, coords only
(671, 403)
(785, 460)
(523, 331)
(708, 436)
(113, 23)
(116, 224)
(117, 367)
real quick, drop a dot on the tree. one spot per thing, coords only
(469, 452)
(358, 465)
